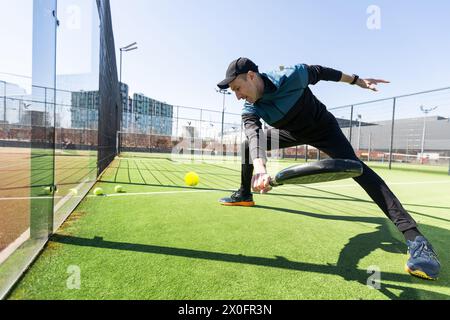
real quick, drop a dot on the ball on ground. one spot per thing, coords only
(191, 179)
(74, 191)
(118, 189)
(98, 191)
(48, 190)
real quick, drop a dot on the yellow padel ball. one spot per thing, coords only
(98, 191)
(48, 190)
(191, 179)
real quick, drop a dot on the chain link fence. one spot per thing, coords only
(154, 127)
(410, 130)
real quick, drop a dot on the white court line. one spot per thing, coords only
(201, 191)
(5, 253)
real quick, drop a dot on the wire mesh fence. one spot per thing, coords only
(411, 129)
(159, 128)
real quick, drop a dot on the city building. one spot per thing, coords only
(84, 109)
(411, 135)
(148, 116)
(14, 102)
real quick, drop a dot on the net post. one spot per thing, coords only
(117, 143)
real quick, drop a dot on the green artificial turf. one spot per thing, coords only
(162, 240)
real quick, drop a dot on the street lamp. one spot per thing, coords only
(425, 111)
(224, 92)
(129, 47)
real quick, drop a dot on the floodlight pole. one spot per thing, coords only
(224, 92)
(127, 48)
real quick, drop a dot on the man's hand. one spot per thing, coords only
(260, 180)
(370, 84)
(261, 183)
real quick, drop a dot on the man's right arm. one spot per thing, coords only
(255, 134)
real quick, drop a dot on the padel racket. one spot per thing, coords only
(320, 171)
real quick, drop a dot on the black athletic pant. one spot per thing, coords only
(328, 138)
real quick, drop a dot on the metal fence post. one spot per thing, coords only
(178, 111)
(392, 134)
(201, 123)
(351, 125)
(45, 107)
(4, 101)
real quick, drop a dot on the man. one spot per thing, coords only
(283, 100)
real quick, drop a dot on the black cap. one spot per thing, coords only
(237, 67)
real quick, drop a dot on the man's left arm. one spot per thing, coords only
(370, 84)
(318, 73)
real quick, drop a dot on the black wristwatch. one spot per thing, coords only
(355, 80)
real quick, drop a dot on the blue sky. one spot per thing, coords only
(186, 46)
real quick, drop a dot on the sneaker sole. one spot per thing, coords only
(238, 204)
(419, 274)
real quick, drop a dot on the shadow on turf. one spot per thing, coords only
(356, 249)
(343, 197)
(347, 198)
(363, 244)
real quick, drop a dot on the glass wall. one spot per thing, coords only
(77, 102)
(49, 83)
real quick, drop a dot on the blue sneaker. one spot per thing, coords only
(423, 261)
(238, 198)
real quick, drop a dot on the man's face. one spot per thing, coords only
(245, 88)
